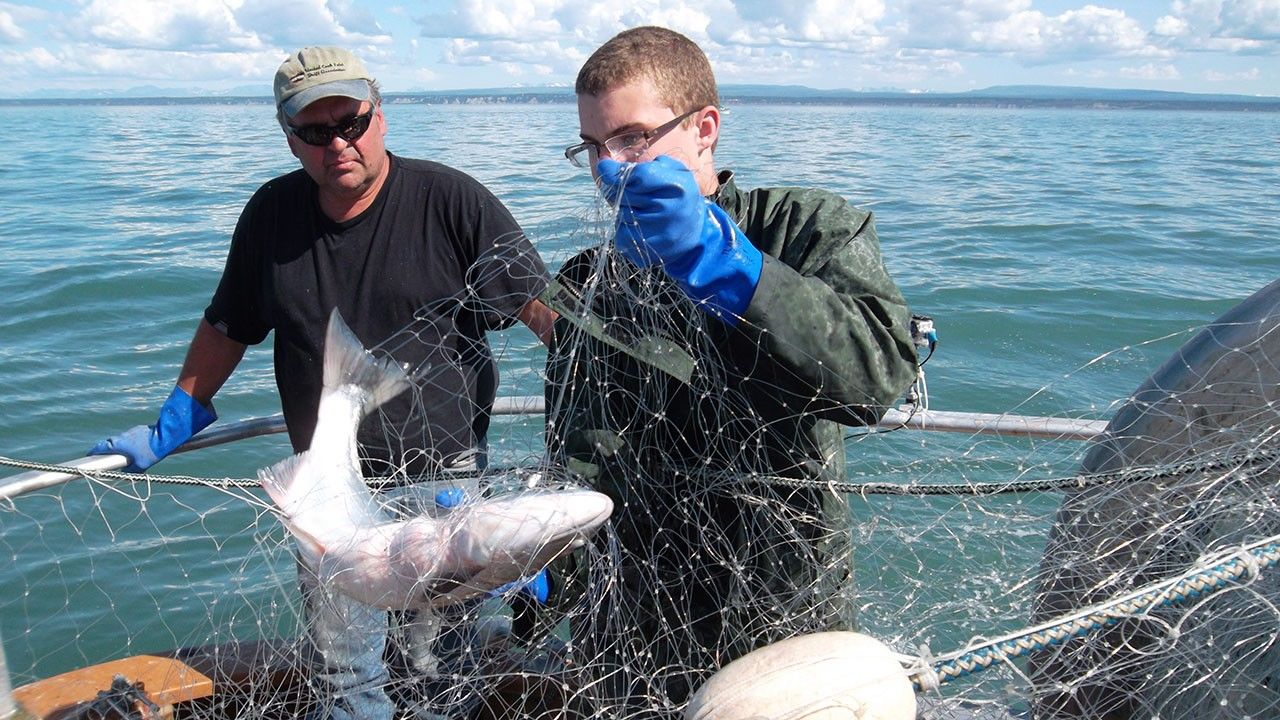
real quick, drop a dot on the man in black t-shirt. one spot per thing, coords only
(417, 257)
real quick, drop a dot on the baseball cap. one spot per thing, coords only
(319, 72)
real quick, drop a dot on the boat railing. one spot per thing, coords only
(905, 417)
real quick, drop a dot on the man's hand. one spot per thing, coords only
(181, 416)
(664, 220)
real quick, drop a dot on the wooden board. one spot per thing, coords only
(165, 681)
(222, 675)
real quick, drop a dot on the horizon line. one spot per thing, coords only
(791, 90)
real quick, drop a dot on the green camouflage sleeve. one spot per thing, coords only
(832, 323)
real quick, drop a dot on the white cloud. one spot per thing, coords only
(163, 25)
(9, 30)
(1151, 71)
(745, 63)
(843, 23)
(696, 20)
(1234, 26)
(1215, 76)
(581, 22)
(812, 21)
(824, 43)
(355, 18)
(28, 63)
(19, 23)
(1251, 19)
(799, 37)
(934, 24)
(746, 40)
(496, 19)
(1170, 26)
(228, 40)
(554, 37)
(1091, 74)
(543, 58)
(1011, 27)
(291, 24)
(1099, 31)
(1024, 31)
(139, 66)
(476, 53)
(812, 66)
(423, 76)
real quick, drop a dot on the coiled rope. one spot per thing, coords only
(1243, 564)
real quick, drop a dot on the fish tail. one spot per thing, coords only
(346, 362)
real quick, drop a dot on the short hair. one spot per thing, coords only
(676, 66)
(375, 99)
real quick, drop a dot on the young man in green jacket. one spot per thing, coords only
(700, 375)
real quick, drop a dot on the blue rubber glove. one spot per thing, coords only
(537, 587)
(664, 219)
(181, 416)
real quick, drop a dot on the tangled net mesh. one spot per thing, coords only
(973, 552)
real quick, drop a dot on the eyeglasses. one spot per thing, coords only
(627, 146)
(350, 129)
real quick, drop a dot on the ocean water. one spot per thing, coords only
(1062, 253)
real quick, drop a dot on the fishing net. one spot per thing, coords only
(1023, 567)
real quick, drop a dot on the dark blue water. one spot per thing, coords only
(1054, 248)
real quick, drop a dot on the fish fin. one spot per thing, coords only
(278, 478)
(346, 362)
(309, 545)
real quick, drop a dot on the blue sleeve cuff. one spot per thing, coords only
(181, 417)
(728, 282)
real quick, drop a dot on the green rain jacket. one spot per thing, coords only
(682, 419)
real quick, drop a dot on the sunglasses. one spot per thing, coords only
(349, 129)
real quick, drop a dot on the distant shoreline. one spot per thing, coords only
(1015, 103)
(1113, 100)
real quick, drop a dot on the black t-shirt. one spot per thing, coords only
(422, 274)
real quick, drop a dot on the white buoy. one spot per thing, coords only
(830, 675)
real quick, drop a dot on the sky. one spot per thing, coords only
(218, 46)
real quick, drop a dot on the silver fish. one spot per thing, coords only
(357, 548)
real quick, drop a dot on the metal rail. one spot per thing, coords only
(926, 420)
(1052, 428)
